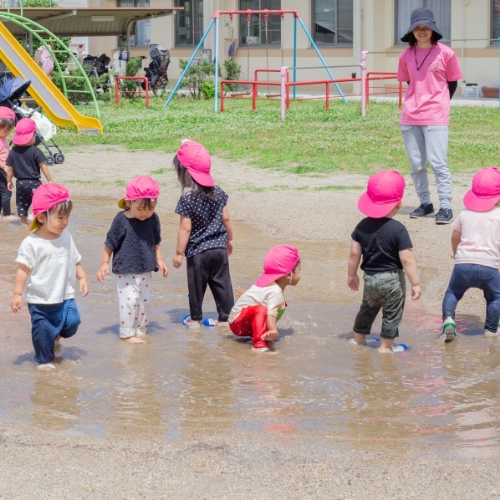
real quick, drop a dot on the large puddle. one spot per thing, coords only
(186, 384)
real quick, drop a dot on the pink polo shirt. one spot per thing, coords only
(427, 100)
(480, 241)
(4, 149)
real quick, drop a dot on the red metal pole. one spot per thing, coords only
(147, 91)
(327, 96)
(254, 96)
(221, 96)
(117, 91)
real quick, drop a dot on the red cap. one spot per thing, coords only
(485, 192)
(139, 188)
(46, 197)
(25, 130)
(278, 262)
(7, 113)
(385, 190)
(196, 159)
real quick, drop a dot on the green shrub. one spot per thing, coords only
(196, 76)
(233, 70)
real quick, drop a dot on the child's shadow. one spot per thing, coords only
(70, 353)
(153, 327)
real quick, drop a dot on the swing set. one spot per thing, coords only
(253, 83)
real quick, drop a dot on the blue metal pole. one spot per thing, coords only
(321, 58)
(188, 65)
(294, 55)
(216, 64)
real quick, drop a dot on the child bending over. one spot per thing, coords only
(385, 246)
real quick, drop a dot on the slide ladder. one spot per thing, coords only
(55, 103)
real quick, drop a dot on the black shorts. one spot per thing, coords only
(24, 194)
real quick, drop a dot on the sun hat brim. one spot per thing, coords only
(476, 204)
(406, 37)
(34, 224)
(374, 210)
(202, 179)
(266, 279)
(23, 139)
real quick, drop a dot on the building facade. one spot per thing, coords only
(340, 28)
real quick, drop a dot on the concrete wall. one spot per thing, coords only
(470, 20)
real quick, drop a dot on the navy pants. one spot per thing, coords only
(47, 322)
(211, 268)
(24, 194)
(5, 195)
(467, 276)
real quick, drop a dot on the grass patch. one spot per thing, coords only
(338, 188)
(120, 183)
(159, 171)
(311, 140)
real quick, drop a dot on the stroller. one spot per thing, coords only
(96, 66)
(156, 72)
(10, 94)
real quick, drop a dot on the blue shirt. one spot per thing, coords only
(207, 229)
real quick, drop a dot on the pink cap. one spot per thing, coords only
(485, 192)
(45, 197)
(25, 130)
(278, 262)
(385, 190)
(139, 188)
(7, 113)
(196, 159)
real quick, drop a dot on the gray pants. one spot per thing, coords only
(428, 142)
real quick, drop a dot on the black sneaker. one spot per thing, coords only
(444, 216)
(423, 210)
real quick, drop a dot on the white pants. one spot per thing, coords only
(134, 296)
(429, 142)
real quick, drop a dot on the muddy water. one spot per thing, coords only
(186, 384)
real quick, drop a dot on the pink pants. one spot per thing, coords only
(134, 296)
(252, 322)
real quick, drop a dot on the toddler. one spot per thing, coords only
(385, 246)
(7, 118)
(25, 161)
(134, 242)
(475, 244)
(259, 308)
(48, 263)
(205, 234)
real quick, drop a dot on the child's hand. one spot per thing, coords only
(84, 286)
(103, 272)
(10, 186)
(230, 247)
(240, 292)
(163, 268)
(270, 335)
(16, 302)
(177, 261)
(353, 283)
(416, 292)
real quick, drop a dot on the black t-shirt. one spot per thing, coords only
(207, 229)
(381, 241)
(25, 161)
(133, 242)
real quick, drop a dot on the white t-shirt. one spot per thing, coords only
(52, 265)
(268, 296)
(480, 242)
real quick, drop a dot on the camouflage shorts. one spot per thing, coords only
(386, 291)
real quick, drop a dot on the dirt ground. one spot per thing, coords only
(288, 206)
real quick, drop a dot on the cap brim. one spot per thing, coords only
(22, 141)
(202, 179)
(266, 279)
(406, 38)
(374, 210)
(472, 202)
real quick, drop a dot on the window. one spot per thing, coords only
(332, 22)
(495, 21)
(257, 35)
(440, 8)
(142, 35)
(189, 23)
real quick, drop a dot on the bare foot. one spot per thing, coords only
(133, 340)
(45, 367)
(57, 350)
(10, 218)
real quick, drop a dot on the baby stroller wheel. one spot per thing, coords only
(49, 160)
(59, 158)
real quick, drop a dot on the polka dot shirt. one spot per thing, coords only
(207, 230)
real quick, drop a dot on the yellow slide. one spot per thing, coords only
(58, 109)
